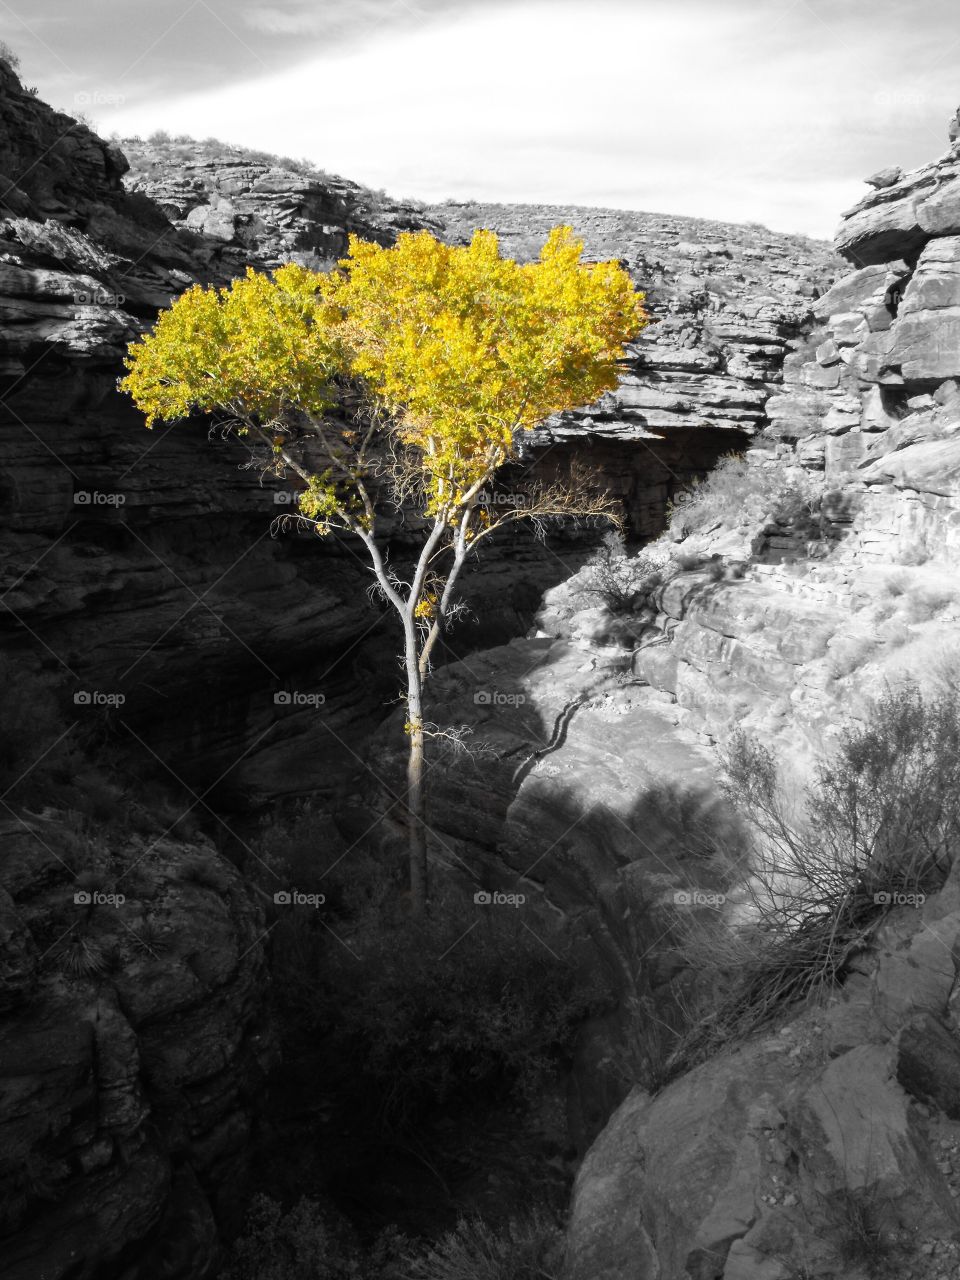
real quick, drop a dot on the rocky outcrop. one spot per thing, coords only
(856, 586)
(903, 212)
(259, 210)
(828, 1146)
(727, 302)
(135, 1038)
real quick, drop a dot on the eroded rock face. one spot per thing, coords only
(816, 611)
(742, 1168)
(761, 1163)
(259, 210)
(727, 302)
(134, 1039)
(903, 211)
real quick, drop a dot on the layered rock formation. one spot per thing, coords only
(855, 585)
(790, 1154)
(261, 210)
(134, 1041)
(727, 302)
(828, 1147)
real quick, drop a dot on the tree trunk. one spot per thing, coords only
(416, 795)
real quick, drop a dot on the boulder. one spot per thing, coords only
(885, 177)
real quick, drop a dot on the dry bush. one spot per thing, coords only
(527, 1248)
(739, 491)
(474, 998)
(616, 580)
(881, 821)
(925, 603)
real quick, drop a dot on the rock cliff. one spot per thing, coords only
(727, 303)
(143, 565)
(787, 593)
(134, 1041)
(828, 1147)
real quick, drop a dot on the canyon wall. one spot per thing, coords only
(826, 574)
(727, 304)
(143, 565)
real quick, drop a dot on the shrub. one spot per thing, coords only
(860, 1230)
(468, 999)
(922, 605)
(915, 555)
(619, 582)
(897, 584)
(158, 136)
(305, 1243)
(880, 821)
(739, 491)
(527, 1248)
(298, 1245)
(8, 56)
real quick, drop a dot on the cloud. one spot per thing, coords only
(275, 22)
(716, 108)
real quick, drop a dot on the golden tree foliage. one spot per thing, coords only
(460, 347)
(259, 347)
(465, 347)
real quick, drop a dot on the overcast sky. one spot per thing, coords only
(743, 110)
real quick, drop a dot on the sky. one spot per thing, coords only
(770, 111)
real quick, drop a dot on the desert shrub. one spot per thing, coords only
(738, 492)
(159, 136)
(526, 1248)
(301, 1244)
(83, 956)
(847, 653)
(897, 584)
(924, 604)
(917, 554)
(878, 826)
(305, 1243)
(621, 583)
(860, 1230)
(471, 1000)
(474, 997)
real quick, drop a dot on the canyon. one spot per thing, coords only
(144, 583)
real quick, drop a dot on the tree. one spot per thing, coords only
(406, 376)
